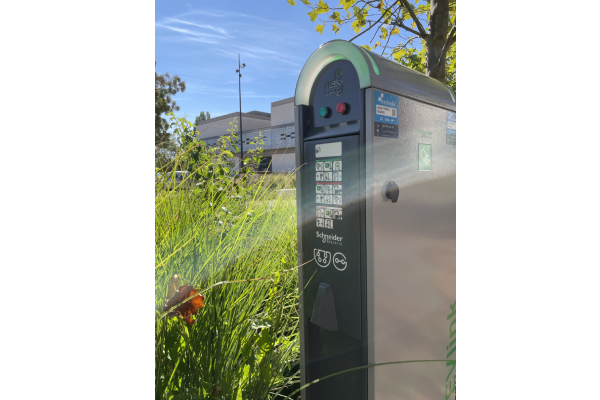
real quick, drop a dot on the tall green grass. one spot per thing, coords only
(238, 248)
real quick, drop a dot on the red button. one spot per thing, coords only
(341, 108)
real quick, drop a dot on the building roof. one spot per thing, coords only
(252, 114)
(284, 101)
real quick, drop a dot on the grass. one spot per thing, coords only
(277, 181)
(240, 253)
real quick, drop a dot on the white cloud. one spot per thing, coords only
(209, 27)
(187, 32)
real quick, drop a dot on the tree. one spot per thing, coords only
(164, 88)
(437, 56)
(202, 117)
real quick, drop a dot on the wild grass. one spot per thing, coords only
(239, 252)
(277, 180)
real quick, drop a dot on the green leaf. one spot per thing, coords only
(335, 28)
(398, 55)
(320, 28)
(265, 371)
(366, 46)
(384, 33)
(347, 4)
(323, 7)
(313, 15)
(292, 3)
(306, 2)
(264, 342)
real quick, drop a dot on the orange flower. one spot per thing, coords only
(187, 309)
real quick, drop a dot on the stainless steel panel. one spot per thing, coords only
(411, 250)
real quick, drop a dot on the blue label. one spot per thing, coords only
(386, 108)
(450, 123)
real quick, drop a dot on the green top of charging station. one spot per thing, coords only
(373, 71)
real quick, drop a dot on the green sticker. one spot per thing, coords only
(424, 157)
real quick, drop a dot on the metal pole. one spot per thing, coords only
(240, 93)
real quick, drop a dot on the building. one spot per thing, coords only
(276, 129)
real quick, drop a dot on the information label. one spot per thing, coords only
(450, 128)
(385, 114)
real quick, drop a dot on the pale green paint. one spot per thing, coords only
(373, 62)
(326, 54)
(424, 157)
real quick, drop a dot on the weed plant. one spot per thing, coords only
(233, 239)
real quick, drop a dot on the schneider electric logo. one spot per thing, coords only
(331, 239)
(386, 102)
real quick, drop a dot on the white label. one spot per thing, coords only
(386, 111)
(328, 150)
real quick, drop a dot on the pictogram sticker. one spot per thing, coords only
(337, 165)
(320, 222)
(424, 157)
(336, 199)
(328, 223)
(337, 213)
(327, 176)
(322, 257)
(339, 261)
(337, 176)
(329, 213)
(328, 200)
(327, 166)
(319, 166)
(319, 176)
(337, 189)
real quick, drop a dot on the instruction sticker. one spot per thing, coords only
(424, 157)
(329, 212)
(385, 114)
(450, 128)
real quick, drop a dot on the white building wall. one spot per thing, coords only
(284, 162)
(279, 140)
(282, 112)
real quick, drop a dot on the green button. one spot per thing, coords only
(323, 112)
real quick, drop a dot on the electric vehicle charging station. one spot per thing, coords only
(376, 197)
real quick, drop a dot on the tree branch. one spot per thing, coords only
(372, 25)
(450, 40)
(401, 25)
(423, 34)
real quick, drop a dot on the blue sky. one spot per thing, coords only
(200, 42)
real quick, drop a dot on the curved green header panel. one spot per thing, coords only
(328, 53)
